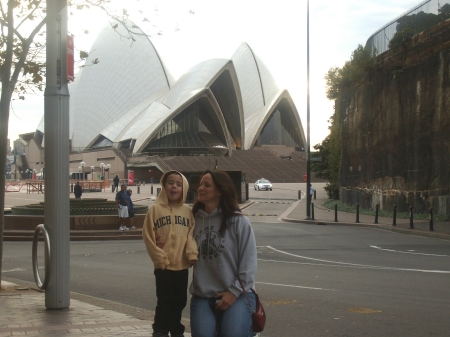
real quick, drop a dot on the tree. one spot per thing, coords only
(22, 59)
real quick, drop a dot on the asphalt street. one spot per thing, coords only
(314, 280)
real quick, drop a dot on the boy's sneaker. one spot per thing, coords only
(121, 228)
(132, 227)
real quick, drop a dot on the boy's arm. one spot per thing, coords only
(157, 255)
(191, 245)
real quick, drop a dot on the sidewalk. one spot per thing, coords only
(24, 314)
(324, 216)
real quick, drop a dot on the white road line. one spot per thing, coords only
(407, 252)
(361, 265)
(13, 270)
(292, 286)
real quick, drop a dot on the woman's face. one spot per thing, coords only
(208, 192)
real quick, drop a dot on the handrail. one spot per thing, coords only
(41, 228)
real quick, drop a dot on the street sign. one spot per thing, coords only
(315, 159)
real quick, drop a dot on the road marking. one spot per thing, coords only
(13, 270)
(362, 265)
(292, 286)
(407, 252)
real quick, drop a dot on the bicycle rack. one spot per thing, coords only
(41, 229)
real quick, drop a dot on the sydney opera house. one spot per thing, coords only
(129, 111)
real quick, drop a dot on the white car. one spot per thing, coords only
(263, 184)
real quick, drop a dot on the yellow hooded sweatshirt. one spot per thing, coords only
(175, 226)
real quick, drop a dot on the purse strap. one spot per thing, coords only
(245, 293)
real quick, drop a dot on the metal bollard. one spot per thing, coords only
(431, 220)
(377, 207)
(357, 213)
(394, 219)
(139, 189)
(314, 194)
(151, 190)
(299, 194)
(335, 213)
(411, 224)
(312, 211)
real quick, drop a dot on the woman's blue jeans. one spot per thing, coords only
(234, 322)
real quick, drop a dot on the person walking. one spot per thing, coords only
(77, 190)
(130, 209)
(116, 183)
(170, 220)
(122, 206)
(227, 253)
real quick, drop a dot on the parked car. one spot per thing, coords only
(263, 184)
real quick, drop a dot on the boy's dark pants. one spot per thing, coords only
(171, 291)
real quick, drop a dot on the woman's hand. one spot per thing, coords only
(159, 243)
(227, 300)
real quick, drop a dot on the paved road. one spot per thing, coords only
(314, 280)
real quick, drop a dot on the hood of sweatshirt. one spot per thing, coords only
(162, 197)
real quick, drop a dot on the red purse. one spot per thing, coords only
(258, 315)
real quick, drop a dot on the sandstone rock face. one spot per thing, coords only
(396, 129)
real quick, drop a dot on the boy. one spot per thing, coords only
(171, 220)
(122, 206)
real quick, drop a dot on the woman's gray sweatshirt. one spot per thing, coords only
(221, 258)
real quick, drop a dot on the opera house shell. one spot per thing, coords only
(128, 101)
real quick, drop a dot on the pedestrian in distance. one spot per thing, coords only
(227, 251)
(122, 206)
(78, 190)
(170, 220)
(130, 209)
(311, 191)
(116, 183)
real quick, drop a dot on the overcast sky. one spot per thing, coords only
(275, 30)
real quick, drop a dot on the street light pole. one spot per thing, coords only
(92, 172)
(102, 167)
(308, 152)
(108, 166)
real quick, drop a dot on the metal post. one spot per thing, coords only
(299, 195)
(56, 117)
(312, 211)
(411, 224)
(431, 220)
(335, 213)
(376, 212)
(394, 219)
(308, 151)
(357, 213)
(138, 189)
(151, 190)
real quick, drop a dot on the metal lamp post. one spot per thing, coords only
(92, 172)
(102, 168)
(79, 172)
(82, 164)
(108, 166)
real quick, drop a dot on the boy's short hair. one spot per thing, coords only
(168, 174)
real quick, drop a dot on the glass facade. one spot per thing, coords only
(418, 19)
(194, 131)
(280, 129)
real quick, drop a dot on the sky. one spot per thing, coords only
(186, 32)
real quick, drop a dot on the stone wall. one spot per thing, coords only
(396, 128)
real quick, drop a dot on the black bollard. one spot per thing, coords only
(335, 213)
(299, 194)
(151, 192)
(394, 219)
(312, 211)
(357, 213)
(431, 220)
(411, 224)
(376, 212)
(139, 189)
(314, 194)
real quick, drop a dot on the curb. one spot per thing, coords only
(378, 226)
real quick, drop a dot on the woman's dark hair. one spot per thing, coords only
(228, 200)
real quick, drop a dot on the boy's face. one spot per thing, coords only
(174, 188)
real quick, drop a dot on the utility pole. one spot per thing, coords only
(56, 117)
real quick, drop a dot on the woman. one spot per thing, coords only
(227, 250)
